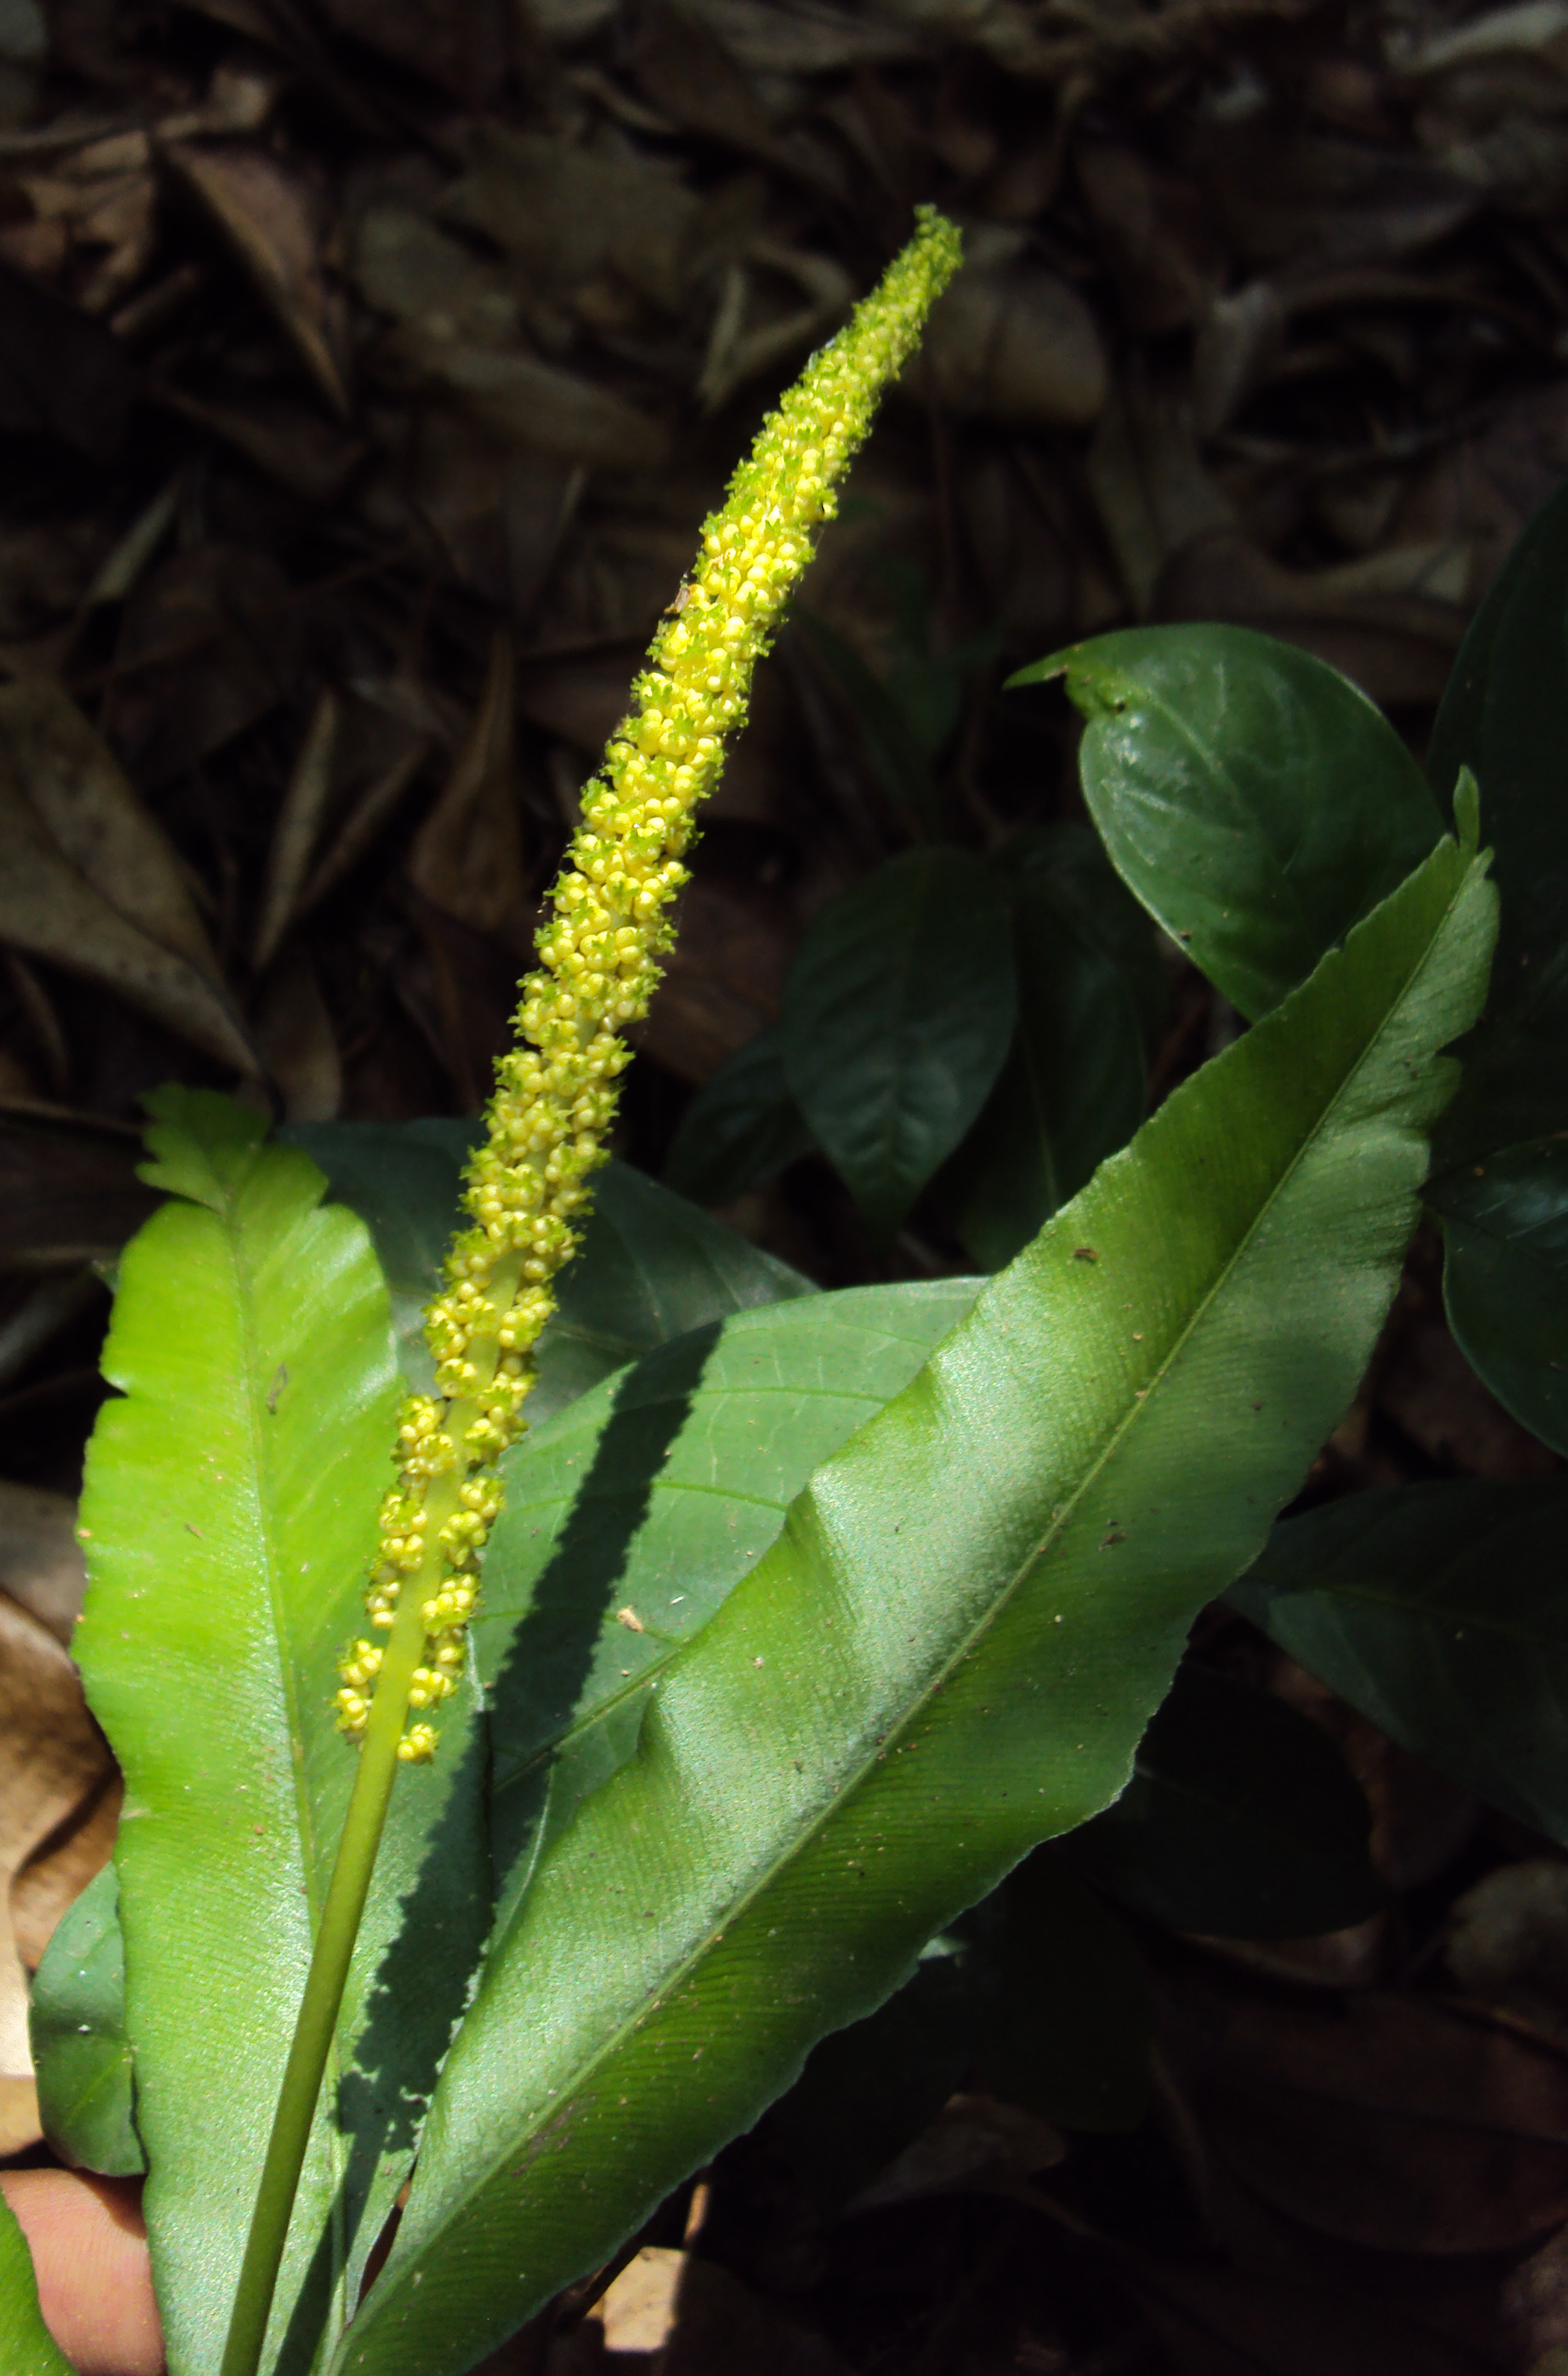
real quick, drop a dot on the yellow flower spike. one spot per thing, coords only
(527, 1189)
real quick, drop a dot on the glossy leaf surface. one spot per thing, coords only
(630, 1517)
(897, 1017)
(1438, 1611)
(229, 1512)
(1242, 1820)
(1071, 1092)
(742, 1127)
(80, 2053)
(26, 2348)
(651, 1264)
(954, 1648)
(1253, 798)
(1505, 1281)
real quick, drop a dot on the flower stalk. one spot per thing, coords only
(528, 1187)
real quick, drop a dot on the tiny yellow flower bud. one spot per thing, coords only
(527, 1186)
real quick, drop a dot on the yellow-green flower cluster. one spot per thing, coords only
(599, 965)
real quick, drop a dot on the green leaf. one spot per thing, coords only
(1070, 1094)
(651, 1266)
(229, 1514)
(1242, 1820)
(82, 2057)
(1071, 859)
(1505, 1280)
(1253, 798)
(26, 2348)
(1438, 1611)
(648, 1499)
(900, 755)
(1504, 715)
(1067, 2029)
(956, 1645)
(898, 1014)
(742, 1128)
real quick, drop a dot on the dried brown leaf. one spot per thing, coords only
(1378, 624)
(1229, 2323)
(294, 1036)
(565, 213)
(81, 797)
(468, 856)
(1506, 1942)
(41, 1560)
(1011, 342)
(68, 1189)
(271, 215)
(51, 1756)
(51, 911)
(974, 2142)
(298, 829)
(1386, 2121)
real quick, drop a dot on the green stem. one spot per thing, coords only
(346, 1894)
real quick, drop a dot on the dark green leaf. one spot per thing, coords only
(651, 1266)
(897, 752)
(229, 1518)
(1070, 1094)
(1504, 715)
(898, 1015)
(1253, 798)
(1069, 2021)
(653, 1495)
(1242, 1820)
(85, 2098)
(1072, 860)
(741, 1128)
(956, 1645)
(1505, 1282)
(1437, 1611)
(26, 2348)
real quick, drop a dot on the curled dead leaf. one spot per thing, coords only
(271, 215)
(1011, 342)
(1387, 2121)
(51, 1756)
(41, 1560)
(468, 855)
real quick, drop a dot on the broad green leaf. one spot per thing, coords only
(629, 1517)
(1071, 859)
(26, 2348)
(741, 1128)
(1253, 798)
(1069, 2023)
(1505, 1279)
(651, 1266)
(898, 1015)
(1242, 1820)
(81, 2055)
(1070, 1094)
(956, 1645)
(1437, 1611)
(1504, 715)
(229, 1516)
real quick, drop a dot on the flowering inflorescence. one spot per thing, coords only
(598, 964)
